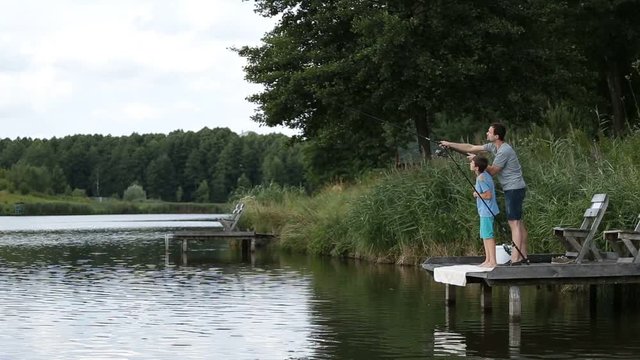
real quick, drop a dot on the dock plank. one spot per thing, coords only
(545, 272)
(208, 234)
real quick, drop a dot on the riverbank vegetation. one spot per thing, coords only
(40, 204)
(203, 167)
(405, 215)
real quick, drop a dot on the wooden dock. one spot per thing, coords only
(219, 234)
(248, 239)
(540, 271)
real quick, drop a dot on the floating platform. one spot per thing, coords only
(542, 271)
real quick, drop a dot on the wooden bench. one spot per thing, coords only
(580, 242)
(622, 242)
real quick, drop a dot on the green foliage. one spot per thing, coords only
(78, 193)
(28, 178)
(404, 216)
(160, 176)
(68, 205)
(179, 194)
(134, 192)
(347, 73)
(202, 192)
(5, 184)
(243, 182)
(162, 164)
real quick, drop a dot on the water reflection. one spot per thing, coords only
(111, 295)
(100, 295)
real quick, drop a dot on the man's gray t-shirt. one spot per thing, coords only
(505, 158)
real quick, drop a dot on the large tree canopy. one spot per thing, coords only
(329, 63)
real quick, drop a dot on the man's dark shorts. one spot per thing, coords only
(513, 202)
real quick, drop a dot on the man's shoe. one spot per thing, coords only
(562, 260)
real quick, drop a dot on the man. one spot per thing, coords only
(507, 166)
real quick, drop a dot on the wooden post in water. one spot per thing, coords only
(485, 299)
(185, 248)
(449, 294)
(593, 299)
(617, 297)
(166, 249)
(246, 249)
(515, 305)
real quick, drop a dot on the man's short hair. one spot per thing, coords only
(481, 162)
(499, 130)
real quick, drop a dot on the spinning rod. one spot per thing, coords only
(447, 151)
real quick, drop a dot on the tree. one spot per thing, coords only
(347, 72)
(58, 180)
(28, 178)
(202, 192)
(218, 188)
(134, 192)
(194, 171)
(608, 33)
(179, 194)
(160, 178)
(243, 182)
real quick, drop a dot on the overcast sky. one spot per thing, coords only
(122, 66)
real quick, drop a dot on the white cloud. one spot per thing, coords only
(36, 89)
(115, 67)
(137, 111)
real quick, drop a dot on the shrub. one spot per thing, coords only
(134, 192)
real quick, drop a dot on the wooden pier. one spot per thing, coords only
(248, 239)
(541, 271)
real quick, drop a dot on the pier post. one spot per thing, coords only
(593, 299)
(485, 299)
(185, 248)
(515, 305)
(617, 298)
(166, 249)
(449, 294)
(246, 248)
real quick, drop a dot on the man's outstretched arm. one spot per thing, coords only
(462, 148)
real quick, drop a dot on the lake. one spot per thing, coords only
(101, 288)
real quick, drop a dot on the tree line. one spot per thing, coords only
(204, 166)
(352, 75)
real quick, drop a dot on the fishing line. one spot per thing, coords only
(447, 150)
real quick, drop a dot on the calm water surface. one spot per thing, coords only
(110, 293)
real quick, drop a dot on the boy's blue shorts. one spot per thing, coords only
(486, 228)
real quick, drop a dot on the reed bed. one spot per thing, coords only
(405, 216)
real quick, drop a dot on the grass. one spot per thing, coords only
(405, 216)
(39, 204)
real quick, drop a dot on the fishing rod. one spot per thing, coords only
(448, 152)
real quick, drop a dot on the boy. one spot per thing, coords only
(485, 194)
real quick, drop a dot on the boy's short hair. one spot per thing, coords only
(481, 162)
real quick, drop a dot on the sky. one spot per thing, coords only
(115, 67)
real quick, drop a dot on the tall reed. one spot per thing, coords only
(405, 216)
